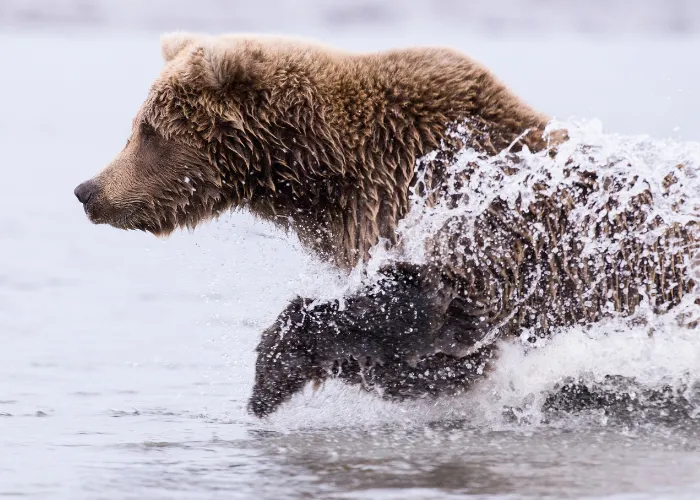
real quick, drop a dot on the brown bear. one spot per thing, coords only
(326, 143)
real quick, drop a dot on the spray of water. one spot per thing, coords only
(645, 365)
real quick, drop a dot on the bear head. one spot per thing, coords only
(215, 132)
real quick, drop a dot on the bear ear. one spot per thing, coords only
(233, 61)
(171, 44)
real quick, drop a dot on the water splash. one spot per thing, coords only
(516, 177)
(645, 365)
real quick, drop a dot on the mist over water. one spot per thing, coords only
(127, 360)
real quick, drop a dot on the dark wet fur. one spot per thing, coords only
(623, 400)
(390, 338)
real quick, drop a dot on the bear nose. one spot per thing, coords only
(85, 191)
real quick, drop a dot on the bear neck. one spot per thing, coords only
(339, 221)
(340, 217)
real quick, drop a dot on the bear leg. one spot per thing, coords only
(395, 337)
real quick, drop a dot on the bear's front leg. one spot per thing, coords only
(286, 359)
(396, 336)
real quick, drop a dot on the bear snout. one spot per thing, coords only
(86, 191)
(90, 194)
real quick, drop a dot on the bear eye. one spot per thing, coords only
(147, 131)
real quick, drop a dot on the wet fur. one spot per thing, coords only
(319, 141)
(433, 329)
(325, 143)
(398, 338)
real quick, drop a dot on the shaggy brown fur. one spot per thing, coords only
(320, 141)
(539, 264)
(325, 143)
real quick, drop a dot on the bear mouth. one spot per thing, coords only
(118, 219)
(90, 212)
(130, 219)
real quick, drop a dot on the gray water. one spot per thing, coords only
(126, 361)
